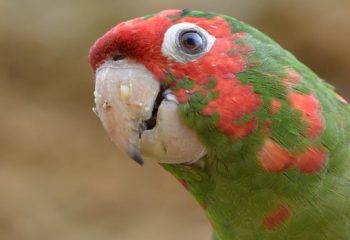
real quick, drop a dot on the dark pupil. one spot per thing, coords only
(192, 42)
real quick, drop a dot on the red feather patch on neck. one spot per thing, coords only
(279, 216)
(309, 107)
(274, 158)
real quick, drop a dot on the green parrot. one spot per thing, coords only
(260, 141)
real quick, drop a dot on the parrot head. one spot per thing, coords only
(165, 79)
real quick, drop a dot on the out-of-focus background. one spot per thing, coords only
(60, 176)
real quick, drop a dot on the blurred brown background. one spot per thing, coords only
(60, 177)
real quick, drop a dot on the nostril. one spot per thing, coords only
(118, 57)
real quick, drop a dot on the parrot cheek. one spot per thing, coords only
(141, 118)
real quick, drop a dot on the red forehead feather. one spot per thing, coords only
(138, 39)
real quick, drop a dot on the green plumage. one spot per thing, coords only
(232, 187)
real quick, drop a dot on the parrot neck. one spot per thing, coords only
(246, 204)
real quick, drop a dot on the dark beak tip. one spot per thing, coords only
(136, 156)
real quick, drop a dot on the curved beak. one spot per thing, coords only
(125, 93)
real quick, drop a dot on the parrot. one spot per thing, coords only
(260, 141)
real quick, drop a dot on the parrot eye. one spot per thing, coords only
(185, 42)
(192, 42)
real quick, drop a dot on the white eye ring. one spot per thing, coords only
(172, 47)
